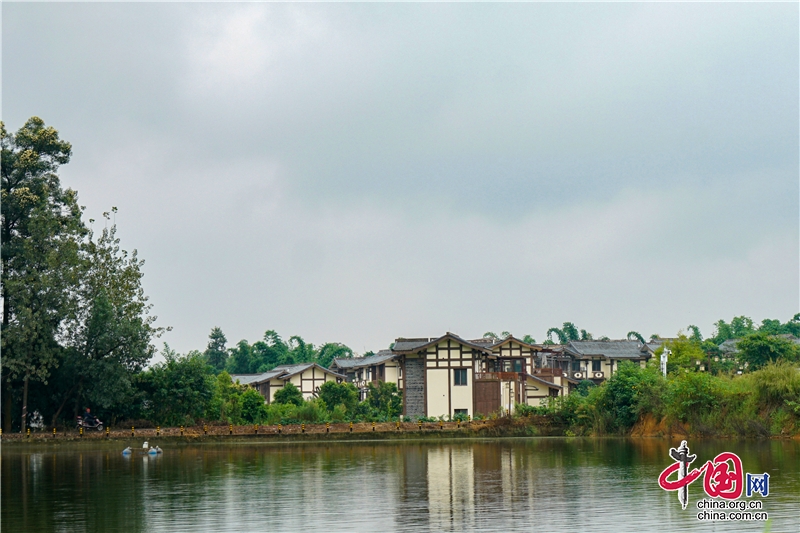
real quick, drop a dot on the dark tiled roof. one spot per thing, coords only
(407, 345)
(346, 362)
(499, 342)
(360, 362)
(729, 346)
(553, 347)
(622, 349)
(282, 371)
(544, 381)
(402, 345)
(246, 379)
(486, 341)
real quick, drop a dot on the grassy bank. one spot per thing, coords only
(640, 401)
(501, 427)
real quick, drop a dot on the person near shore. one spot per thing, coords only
(88, 417)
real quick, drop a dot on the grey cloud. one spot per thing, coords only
(355, 172)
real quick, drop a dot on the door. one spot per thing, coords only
(486, 396)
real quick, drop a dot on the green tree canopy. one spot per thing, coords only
(335, 394)
(40, 230)
(108, 332)
(178, 390)
(624, 395)
(330, 351)
(568, 332)
(758, 349)
(635, 335)
(384, 398)
(289, 394)
(252, 406)
(216, 353)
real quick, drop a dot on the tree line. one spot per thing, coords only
(77, 329)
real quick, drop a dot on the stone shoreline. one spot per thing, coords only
(296, 432)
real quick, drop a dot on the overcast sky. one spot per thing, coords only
(359, 172)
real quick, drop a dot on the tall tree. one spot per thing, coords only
(179, 389)
(300, 351)
(696, 335)
(216, 354)
(635, 335)
(40, 229)
(241, 359)
(330, 351)
(568, 332)
(571, 332)
(107, 335)
(738, 328)
(562, 338)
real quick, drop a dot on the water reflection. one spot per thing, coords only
(509, 485)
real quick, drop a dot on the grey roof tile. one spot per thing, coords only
(621, 349)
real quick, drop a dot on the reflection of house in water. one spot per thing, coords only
(469, 487)
(451, 487)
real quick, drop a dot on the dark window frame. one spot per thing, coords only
(460, 377)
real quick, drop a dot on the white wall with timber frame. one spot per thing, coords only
(507, 352)
(308, 381)
(442, 396)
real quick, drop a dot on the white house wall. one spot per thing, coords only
(438, 401)
(309, 381)
(443, 396)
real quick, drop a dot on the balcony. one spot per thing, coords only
(550, 373)
(497, 376)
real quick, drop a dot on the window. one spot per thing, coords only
(596, 365)
(517, 365)
(460, 376)
(459, 411)
(576, 366)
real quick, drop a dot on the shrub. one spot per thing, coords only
(584, 386)
(523, 409)
(336, 394)
(252, 406)
(288, 394)
(776, 384)
(384, 400)
(629, 393)
(313, 411)
(758, 349)
(339, 413)
(225, 404)
(685, 354)
(280, 413)
(692, 393)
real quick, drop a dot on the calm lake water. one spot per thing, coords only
(540, 484)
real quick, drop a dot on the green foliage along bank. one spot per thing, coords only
(184, 391)
(762, 403)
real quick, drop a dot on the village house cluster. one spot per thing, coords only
(448, 375)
